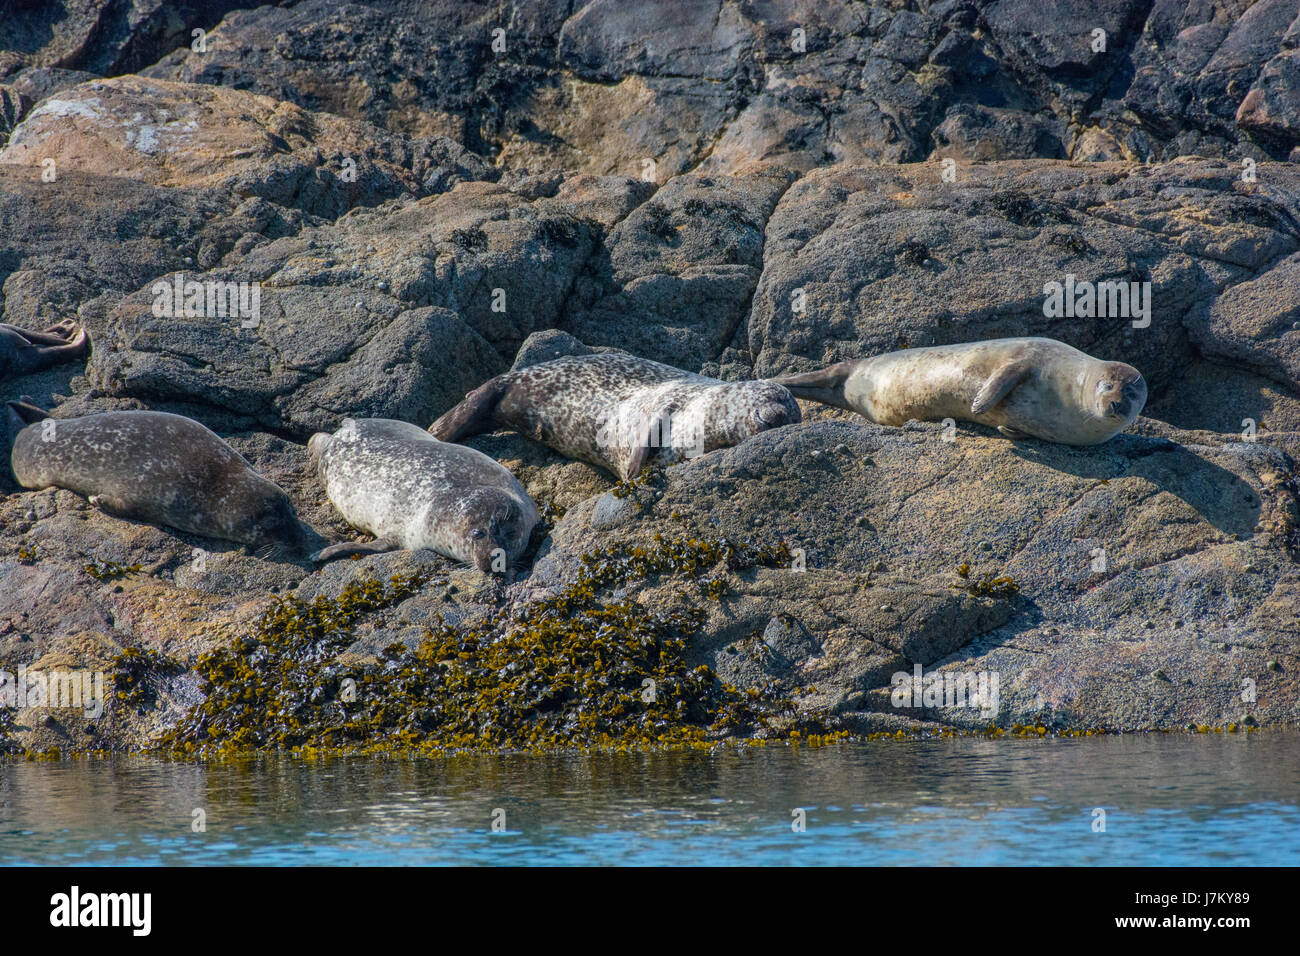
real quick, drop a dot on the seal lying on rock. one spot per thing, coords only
(155, 467)
(23, 352)
(619, 411)
(1024, 387)
(399, 483)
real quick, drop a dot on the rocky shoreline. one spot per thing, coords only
(416, 209)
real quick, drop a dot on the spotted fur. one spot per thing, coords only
(620, 412)
(397, 482)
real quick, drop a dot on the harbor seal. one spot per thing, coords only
(394, 480)
(23, 352)
(155, 467)
(1033, 387)
(620, 412)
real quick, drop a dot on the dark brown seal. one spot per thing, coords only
(155, 467)
(23, 352)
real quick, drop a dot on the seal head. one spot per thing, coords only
(493, 524)
(1121, 393)
(741, 410)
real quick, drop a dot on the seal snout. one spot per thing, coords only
(1133, 397)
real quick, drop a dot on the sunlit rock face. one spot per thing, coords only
(408, 199)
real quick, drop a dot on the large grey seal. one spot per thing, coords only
(619, 411)
(155, 467)
(1024, 386)
(399, 483)
(23, 352)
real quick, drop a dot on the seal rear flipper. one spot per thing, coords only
(473, 416)
(18, 415)
(63, 350)
(824, 385)
(346, 549)
(998, 386)
(64, 334)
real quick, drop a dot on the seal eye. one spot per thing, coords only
(478, 533)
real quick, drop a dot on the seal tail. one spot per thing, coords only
(23, 412)
(49, 349)
(75, 347)
(475, 415)
(823, 385)
(17, 416)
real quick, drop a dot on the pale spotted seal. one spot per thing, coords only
(23, 352)
(619, 411)
(154, 467)
(396, 481)
(1024, 387)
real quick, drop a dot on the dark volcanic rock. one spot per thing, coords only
(894, 257)
(392, 312)
(420, 194)
(107, 37)
(686, 263)
(1138, 555)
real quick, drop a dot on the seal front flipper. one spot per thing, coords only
(998, 386)
(473, 416)
(632, 461)
(116, 508)
(345, 549)
(1010, 432)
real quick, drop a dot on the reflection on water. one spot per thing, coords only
(1169, 800)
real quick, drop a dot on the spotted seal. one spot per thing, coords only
(619, 411)
(154, 467)
(1033, 387)
(23, 352)
(394, 480)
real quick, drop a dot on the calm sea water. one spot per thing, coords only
(1168, 800)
